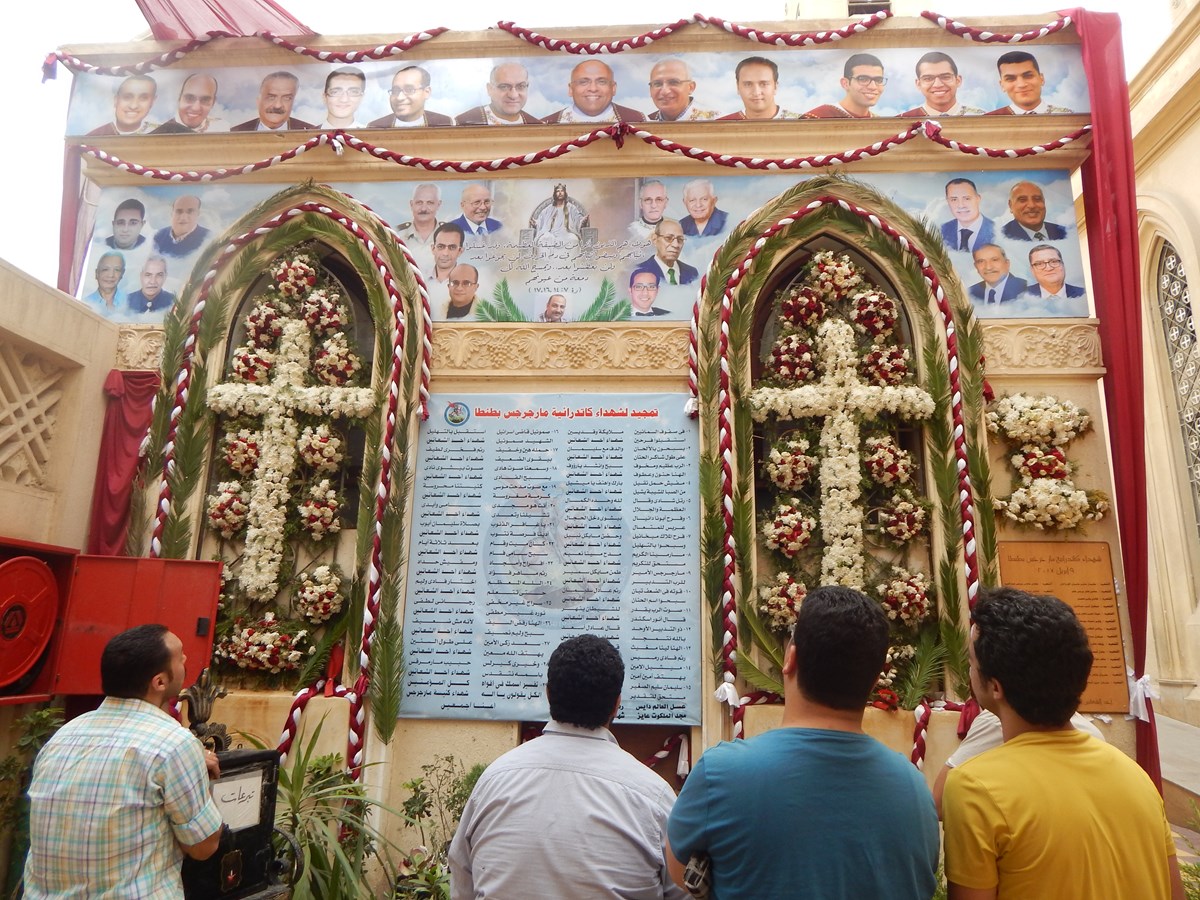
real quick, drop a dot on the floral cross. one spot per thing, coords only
(278, 401)
(845, 400)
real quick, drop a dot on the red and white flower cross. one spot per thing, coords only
(278, 401)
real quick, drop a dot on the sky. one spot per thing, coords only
(31, 151)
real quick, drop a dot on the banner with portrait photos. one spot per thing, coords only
(553, 247)
(818, 82)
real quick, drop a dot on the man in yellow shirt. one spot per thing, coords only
(1052, 813)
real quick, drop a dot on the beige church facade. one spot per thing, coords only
(703, 347)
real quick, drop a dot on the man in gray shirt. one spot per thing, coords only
(568, 814)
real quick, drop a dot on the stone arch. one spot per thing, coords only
(949, 352)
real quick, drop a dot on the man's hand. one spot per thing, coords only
(212, 764)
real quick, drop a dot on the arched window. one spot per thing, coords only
(1183, 359)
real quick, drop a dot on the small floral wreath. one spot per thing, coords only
(781, 600)
(789, 529)
(788, 464)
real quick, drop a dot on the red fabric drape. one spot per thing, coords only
(1110, 203)
(125, 422)
(72, 182)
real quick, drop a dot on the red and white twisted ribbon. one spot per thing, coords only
(778, 38)
(980, 36)
(170, 57)
(725, 424)
(159, 61)
(384, 51)
(933, 130)
(683, 766)
(797, 38)
(756, 698)
(923, 714)
(338, 140)
(594, 47)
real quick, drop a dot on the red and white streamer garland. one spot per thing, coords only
(374, 570)
(725, 426)
(980, 36)
(684, 765)
(170, 57)
(595, 47)
(384, 51)
(338, 139)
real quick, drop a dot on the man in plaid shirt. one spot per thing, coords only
(121, 794)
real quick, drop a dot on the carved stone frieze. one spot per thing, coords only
(583, 349)
(1017, 347)
(30, 390)
(139, 347)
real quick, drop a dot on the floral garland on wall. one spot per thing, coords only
(843, 506)
(1044, 494)
(277, 496)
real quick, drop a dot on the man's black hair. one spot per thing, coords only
(1017, 56)
(450, 228)
(933, 57)
(860, 59)
(756, 61)
(954, 181)
(131, 203)
(1035, 647)
(132, 658)
(584, 681)
(841, 639)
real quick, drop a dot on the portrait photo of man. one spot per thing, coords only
(508, 92)
(276, 95)
(555, 311)
(652, 206)
(1050, 273)
(1022, 80)
(863, 81)
(424, 204)
(703, 218)
(757, 80)
(108, 299)
(132, 103)
(127, 225)
(197, 97)
(668, 240)
(410, 91)
(559, 220)
(343, 95)
(672, 91)
(592, 88)
(185, 234)
(999, 285)
(643, 291)
(151, 297)
(1027, 203)
(463, 284)
(938, 81)
(970, 227)
(447, 248)
(476, 220)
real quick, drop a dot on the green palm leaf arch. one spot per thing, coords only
(193, 436)
(759, 650)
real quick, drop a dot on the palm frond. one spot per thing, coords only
(920, 676)
(756, 677)
(958, 664)
(387, 670)
(501, 308)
